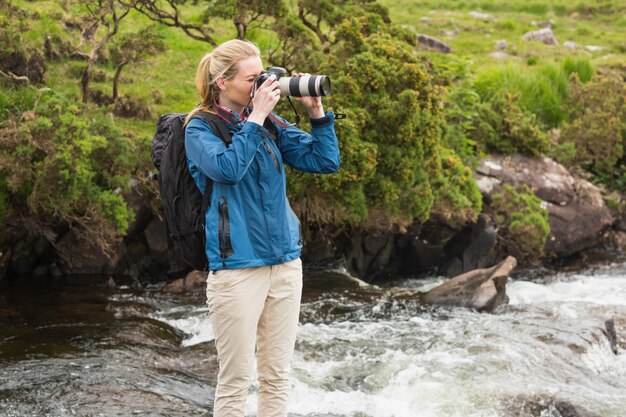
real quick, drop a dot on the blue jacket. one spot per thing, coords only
(249, 221)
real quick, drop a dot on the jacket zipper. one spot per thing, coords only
(269, 150)
(226, 249)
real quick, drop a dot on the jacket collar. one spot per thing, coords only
(230, 115)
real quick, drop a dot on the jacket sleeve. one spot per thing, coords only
(214, 159)
(317, 152)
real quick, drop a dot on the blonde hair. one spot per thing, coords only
(221, 62)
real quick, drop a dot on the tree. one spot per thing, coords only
(133, 48)
(101, 23)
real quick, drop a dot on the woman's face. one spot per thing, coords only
(236, 91)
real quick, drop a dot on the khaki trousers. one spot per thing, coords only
(254, 308)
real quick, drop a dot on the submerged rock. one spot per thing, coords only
(540, 406)
(482, 289)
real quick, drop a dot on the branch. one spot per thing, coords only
(151, 10)
(315, 28)
(14, 77)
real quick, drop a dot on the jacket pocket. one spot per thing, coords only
(226, 248)
(269, 150)
(293, 213)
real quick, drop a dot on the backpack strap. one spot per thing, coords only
(221, 131)
(218, 125)
(271, 127)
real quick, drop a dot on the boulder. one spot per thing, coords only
(577, 213)
(471, 248)
(544, 35)
(80, 257)
(480, 289)
(433, 43)
(192, 281)
(156, 237)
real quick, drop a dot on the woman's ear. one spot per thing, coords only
(221, 83)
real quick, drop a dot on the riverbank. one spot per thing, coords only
(90, 350)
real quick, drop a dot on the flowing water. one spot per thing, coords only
(84, 350)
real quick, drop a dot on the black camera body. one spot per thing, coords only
(305, 86)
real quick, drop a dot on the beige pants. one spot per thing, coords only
(254, 308)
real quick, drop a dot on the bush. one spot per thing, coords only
(597, 128)
(458, 199)
(522, 223)
(63, 165)
(503, 127)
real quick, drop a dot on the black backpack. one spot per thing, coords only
(184, 206)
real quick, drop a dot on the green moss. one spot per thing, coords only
(522, 221)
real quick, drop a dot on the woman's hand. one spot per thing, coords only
(265, 98)
(313, 104)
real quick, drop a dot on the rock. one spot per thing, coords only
(499, 55)
(471, 248)
(542, 35)
(502, 45)
(78, 257)
(577, 213)
(571, 45)
(193, 280)
(141, 205)
(594, 48)
(545, 406)
(611, 334)
(156, 237)
(481, 16)
(434, 44)
(371, 252)
(481, 289)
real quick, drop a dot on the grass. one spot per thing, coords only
(595, 22)
(166, 81)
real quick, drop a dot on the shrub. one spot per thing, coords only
(458, 199)
(597, 128)
(503, 127)
(63, 165)
(522, 223)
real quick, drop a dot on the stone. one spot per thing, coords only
(542, 35)
(192, 281)
(156, 237)
(577, 213)
(502, 45)
(77, 256)
(471, 248)
(481, 16)
(433, 43)
(480, 289)
(571, 45)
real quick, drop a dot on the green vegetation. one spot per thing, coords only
(417, 119)
(522, 221)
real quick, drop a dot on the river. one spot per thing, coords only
(81, 349)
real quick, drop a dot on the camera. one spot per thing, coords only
(305, 86)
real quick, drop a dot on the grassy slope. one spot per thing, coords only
(594, 22)
(166, 81)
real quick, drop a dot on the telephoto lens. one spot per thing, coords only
(307, 85)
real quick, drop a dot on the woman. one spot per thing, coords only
(253, 240)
